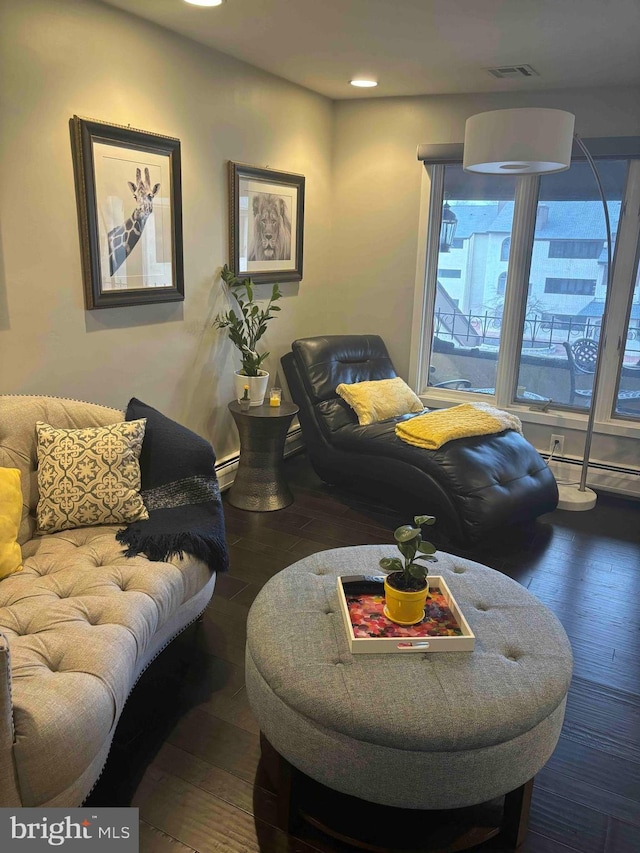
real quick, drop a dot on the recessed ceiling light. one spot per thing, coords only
(205, 2)
(364, 84)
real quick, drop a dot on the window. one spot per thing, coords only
(568, 283)
(556, 281)
(587, 249)
(575, 286)
(467, 312)
(628, 393)
(457, 243)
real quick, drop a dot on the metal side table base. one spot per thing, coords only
(260, 485)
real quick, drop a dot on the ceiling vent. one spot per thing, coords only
(510, 72)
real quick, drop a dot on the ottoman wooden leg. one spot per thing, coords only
(302, 803)
(516, 816)
(282, 776)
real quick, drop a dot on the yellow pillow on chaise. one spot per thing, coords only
(379, 399)
(10, 517)
(89, 476)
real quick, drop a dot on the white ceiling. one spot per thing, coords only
(417, 46)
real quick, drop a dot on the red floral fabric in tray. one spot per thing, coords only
(368, 619)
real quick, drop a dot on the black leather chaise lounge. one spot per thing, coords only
(474, 486)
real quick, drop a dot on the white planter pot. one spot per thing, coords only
(257, 386)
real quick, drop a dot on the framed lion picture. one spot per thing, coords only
(266, 223)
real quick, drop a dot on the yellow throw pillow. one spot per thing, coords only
(380, 399)
(89, 476)
(10, 517)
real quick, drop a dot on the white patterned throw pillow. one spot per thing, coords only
(89, 476)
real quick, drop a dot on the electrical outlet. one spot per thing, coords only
(556, 441)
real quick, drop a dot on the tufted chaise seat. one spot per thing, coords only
(78, 626)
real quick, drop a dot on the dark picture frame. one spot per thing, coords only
(129, 198)
(266, 223)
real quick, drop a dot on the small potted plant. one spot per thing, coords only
(406, 585)
(246, 327)
(245, 400)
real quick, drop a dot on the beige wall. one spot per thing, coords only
(377, 180)
(66, 57)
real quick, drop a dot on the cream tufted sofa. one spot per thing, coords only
(78, 626)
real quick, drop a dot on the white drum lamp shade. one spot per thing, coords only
(518, 142)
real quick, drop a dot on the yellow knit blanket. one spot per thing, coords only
(434, 429)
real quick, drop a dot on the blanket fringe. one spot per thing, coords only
(159, 548)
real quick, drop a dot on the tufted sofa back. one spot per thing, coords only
(78, 626)
(18, 416)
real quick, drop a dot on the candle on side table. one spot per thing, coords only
(275, 396)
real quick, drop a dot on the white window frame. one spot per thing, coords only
(525, 210)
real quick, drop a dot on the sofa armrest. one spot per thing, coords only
(9, 792)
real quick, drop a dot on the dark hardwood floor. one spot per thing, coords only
(192, 770)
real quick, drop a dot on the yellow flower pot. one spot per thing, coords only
(405, 608)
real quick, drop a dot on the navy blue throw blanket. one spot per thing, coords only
(180, 491)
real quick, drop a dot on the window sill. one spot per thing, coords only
(571, 420)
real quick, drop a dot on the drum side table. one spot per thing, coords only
(260, 485)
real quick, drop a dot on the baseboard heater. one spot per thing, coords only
(616, 479)
(609, 478)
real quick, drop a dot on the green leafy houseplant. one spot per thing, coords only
(247, 325)
(407, 574)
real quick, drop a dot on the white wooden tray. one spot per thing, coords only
(403, 641)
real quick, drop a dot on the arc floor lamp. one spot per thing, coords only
(534, 141)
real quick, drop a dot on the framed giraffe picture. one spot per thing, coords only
(266, 223)
(128, 191)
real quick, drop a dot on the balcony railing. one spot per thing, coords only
(465, 349)
(474, 329)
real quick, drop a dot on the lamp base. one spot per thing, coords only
(571, 498)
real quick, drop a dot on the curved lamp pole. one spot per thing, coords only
(605, 311)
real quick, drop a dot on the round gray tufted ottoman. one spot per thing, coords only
(438, 730)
